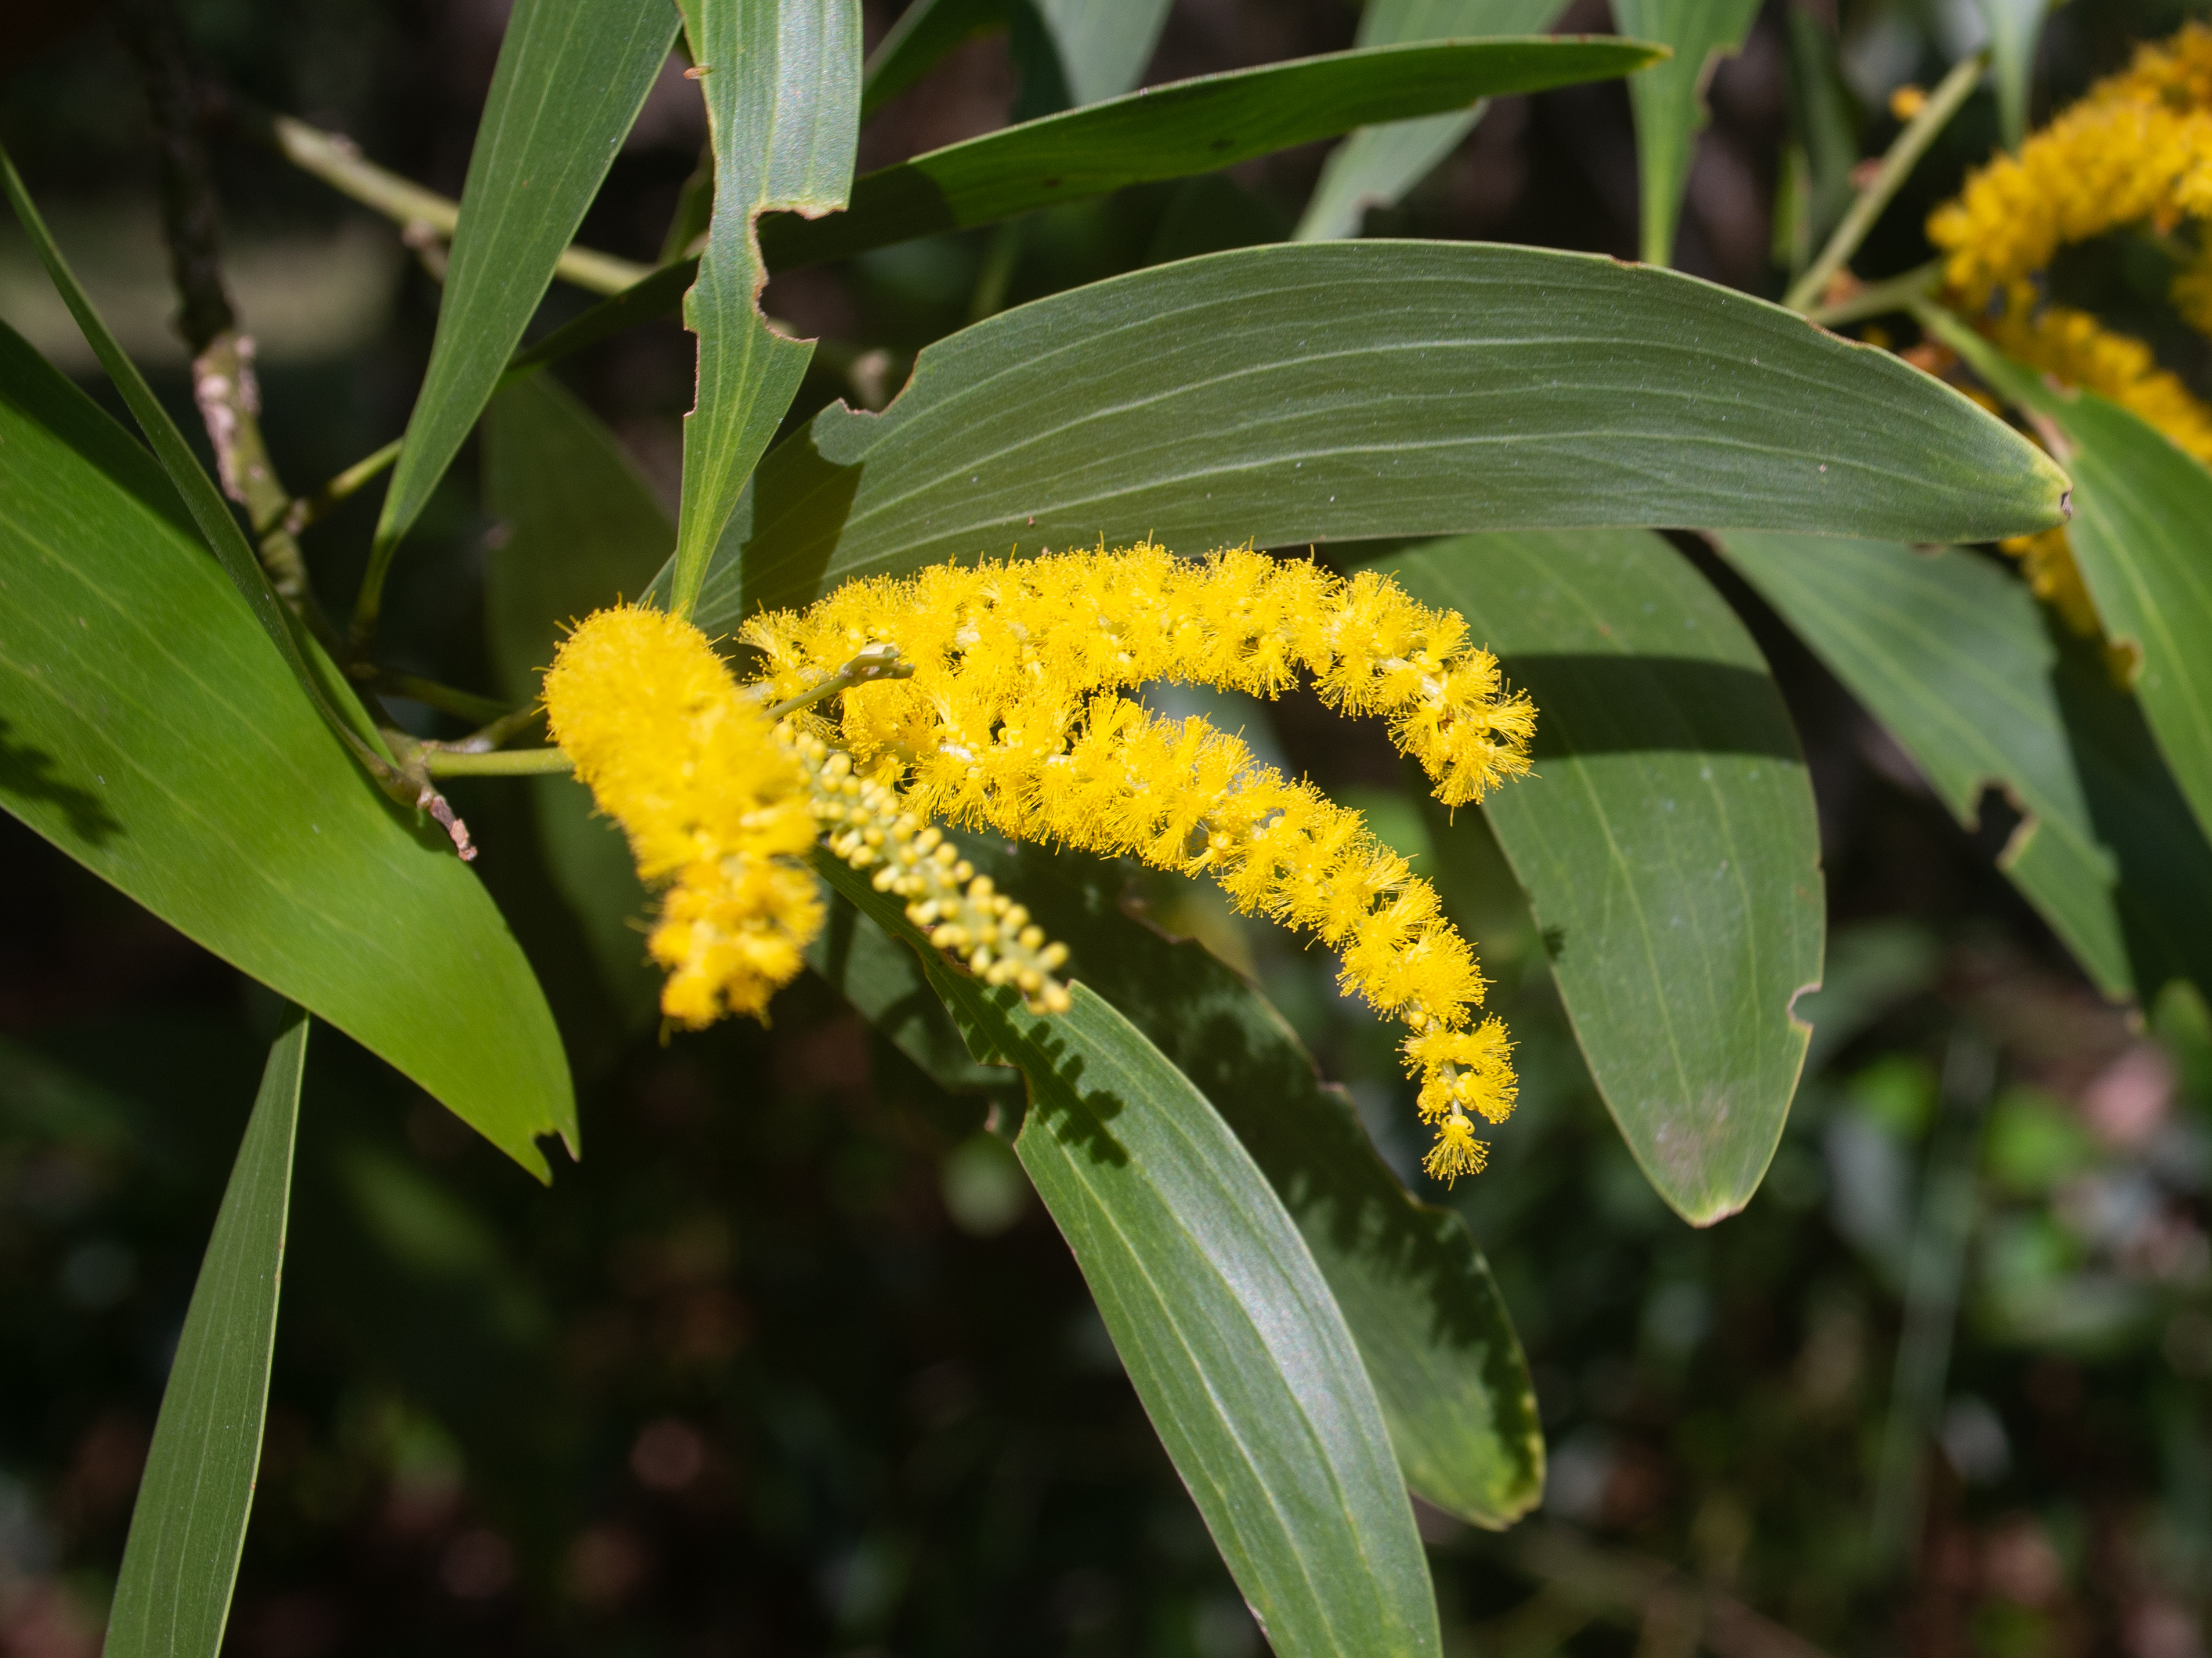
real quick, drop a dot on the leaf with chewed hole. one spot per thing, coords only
(1667, 840)
(782, 79)
(1981, 686)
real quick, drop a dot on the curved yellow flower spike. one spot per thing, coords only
(724, 804)
(1004, 655)
(2137, 149)
(1009, 717)
(1010, 721)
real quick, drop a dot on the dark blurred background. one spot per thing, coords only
(791, 1362)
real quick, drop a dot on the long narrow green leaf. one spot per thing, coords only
(2015, 27)
(1184, 128)
(1227, 1329)
(1414, 1290)
(148, 729)
(1336, 391)
(1432, 1329)
(1670, 100)
(921, 37)
(317, 682)
(2142, 534)
(1104, 45)
(783, 93)
(1169, 131)
(571, 77)
(1961, 664)
(172, 1595)
(1668, 841)
(1377, 165)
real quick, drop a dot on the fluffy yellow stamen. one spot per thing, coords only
(2136, 149)
(1005, 654)
(1013, 720)
(1010, 721)
(722, 806)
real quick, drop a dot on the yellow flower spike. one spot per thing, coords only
(1013, 721)
(2136, 149)
(696, 777)
(1039, 637)
(722, 806)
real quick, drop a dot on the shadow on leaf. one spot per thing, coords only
(27, 774)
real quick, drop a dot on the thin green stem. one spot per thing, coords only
(877, 662)
(504, 762)
(497, 733)
(337, 162)
(1904, 154)
(462, 705)
(368, 603)
(312, 509)
(1891, 294)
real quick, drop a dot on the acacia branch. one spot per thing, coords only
(223, 382)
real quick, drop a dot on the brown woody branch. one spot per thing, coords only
(223, 382)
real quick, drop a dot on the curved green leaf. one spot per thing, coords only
(1417, 1294)
(1377, 166)
(180, 1561)
(1335, 390)
(152, 733)
(1963, 667)
(571, 77)
(1184, 128)
(1227, 1329)
(1432, 1329)
(783, 99)
(1668, 842)
(2142, 534)
(1670, 100)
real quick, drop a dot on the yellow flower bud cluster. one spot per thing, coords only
(2137, 149)
(1010, 721)
(713, 802)
(867, 823)
(723, 805)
